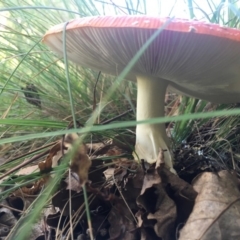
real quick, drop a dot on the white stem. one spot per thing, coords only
(151, 137)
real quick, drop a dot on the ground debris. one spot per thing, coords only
(128, 200)
(216, 214)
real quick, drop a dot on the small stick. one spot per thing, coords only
(26, 154)
(24, 163)
(117, 117)
(13, 209)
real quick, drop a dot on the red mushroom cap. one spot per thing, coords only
(196, 58)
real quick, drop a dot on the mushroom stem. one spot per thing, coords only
(151, 137)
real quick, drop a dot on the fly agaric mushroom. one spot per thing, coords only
(194, 58)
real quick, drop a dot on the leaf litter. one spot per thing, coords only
(127, 200)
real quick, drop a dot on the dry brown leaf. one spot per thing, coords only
(182, 193)
(139, 218)
(72, 182)
(216, 214)
(160, 210)
(160, 159)
(178, 186)
(81, 163)
(165, 214)
(27, 170)
(115, 151)
(122, 223)
(33, 189)
(109, 173)
(150, 179)
(46, 166)
(165, 200)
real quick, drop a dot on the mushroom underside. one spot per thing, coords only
(202, 65)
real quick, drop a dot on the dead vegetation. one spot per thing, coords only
(127, 200)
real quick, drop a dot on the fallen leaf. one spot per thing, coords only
(122, 223)
(109, 173)
(160, 210)
(181, 192)
(32, 189)
(27, 170)
(216, 214)
(46, 166)
(81, 163)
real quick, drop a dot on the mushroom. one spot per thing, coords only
(193, 58)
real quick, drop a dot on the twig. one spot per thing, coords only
(25, 163)
(13, 209)
(117, 117)
(26, 154)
